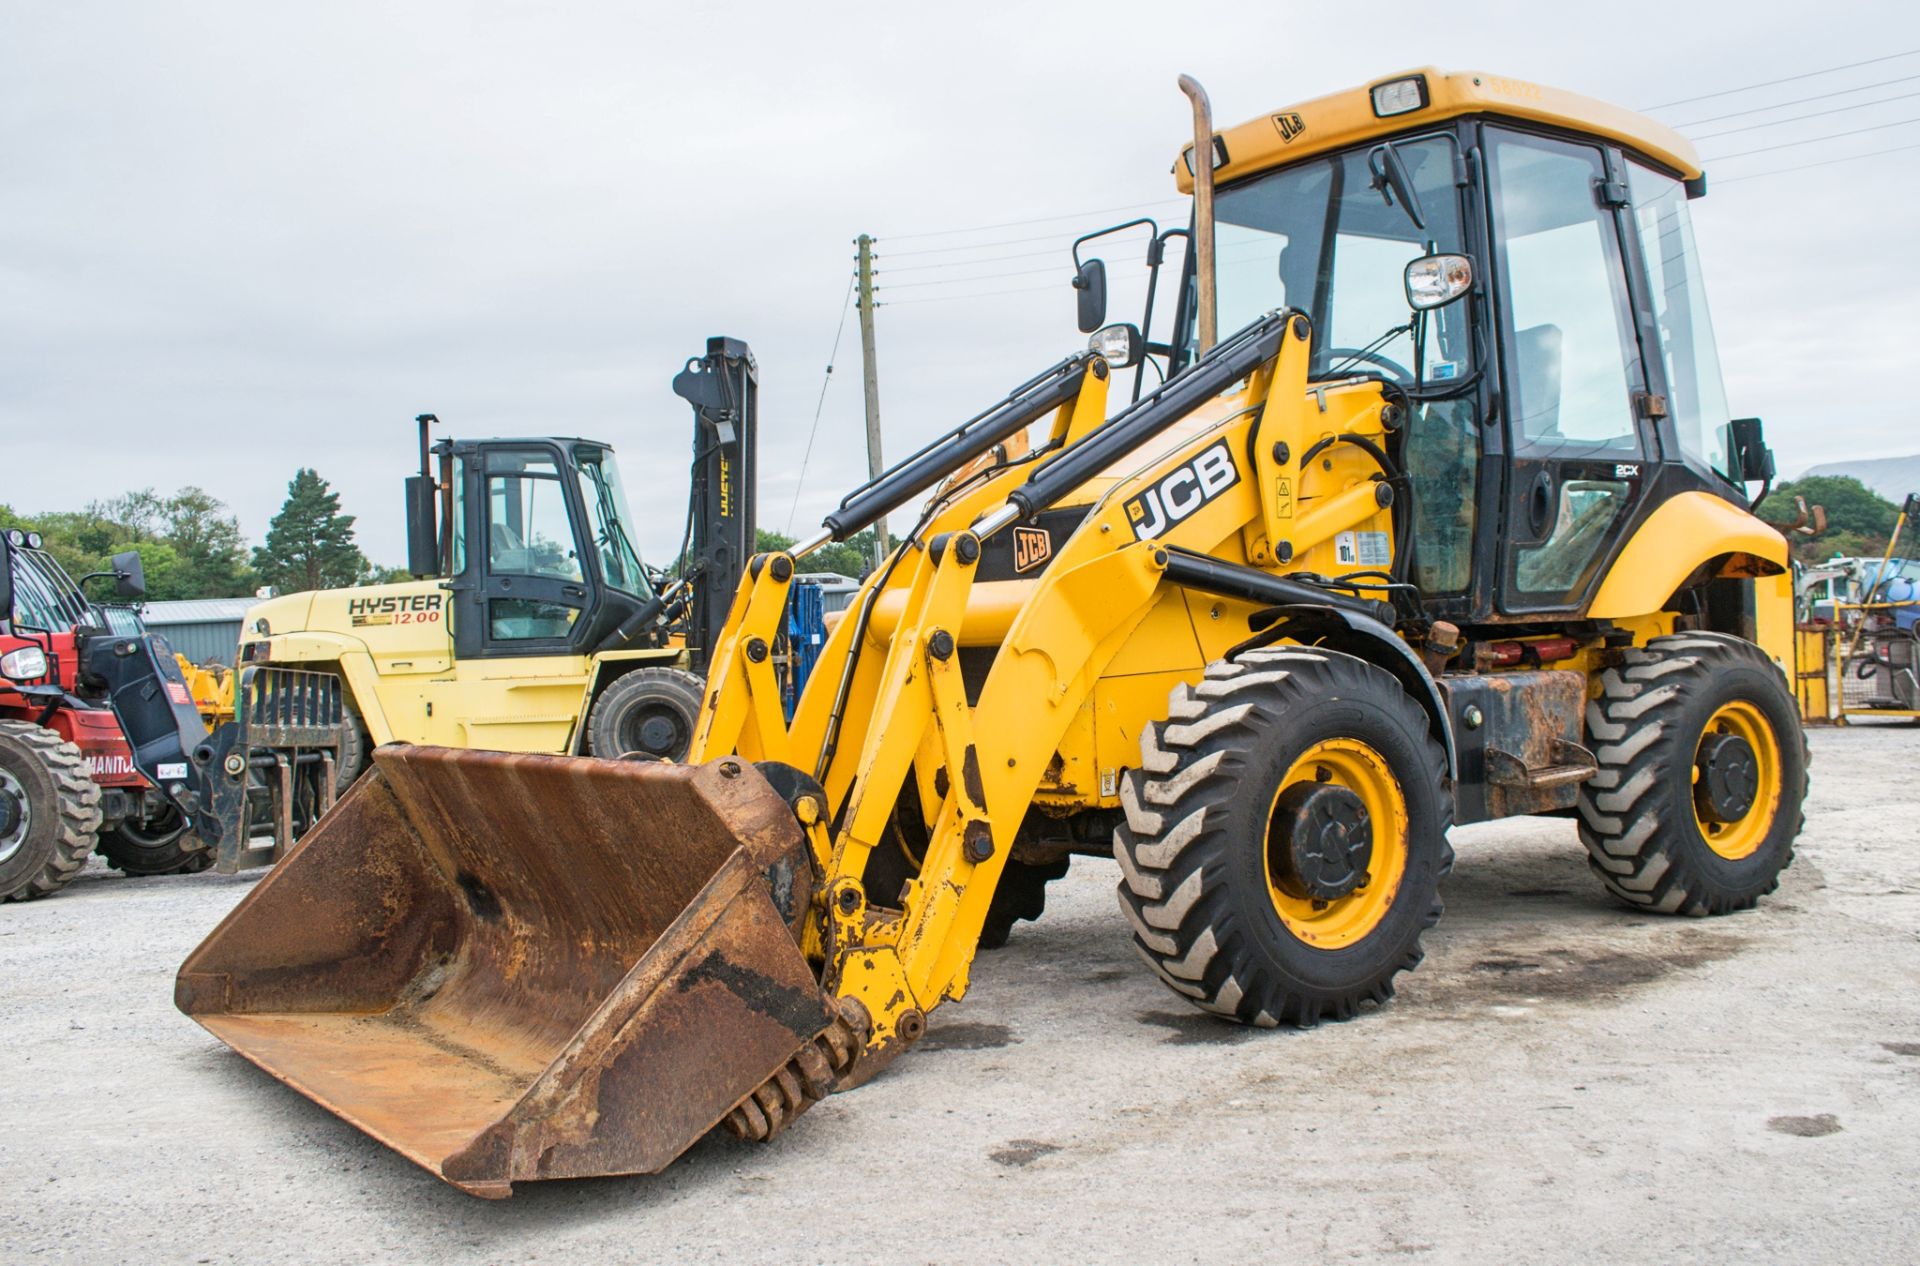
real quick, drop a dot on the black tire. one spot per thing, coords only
(650, 711)
(153, 847)
(1638, 815)
(1195, 878)
(55, 808)
(354, 746)
(1020, 894)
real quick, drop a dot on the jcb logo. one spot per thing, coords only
(1181, 492)
(1290, 125)
(1031, 547)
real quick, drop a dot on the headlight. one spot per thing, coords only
(1120, 344)
(1436, 280)
(1399, 96)
(25, 664)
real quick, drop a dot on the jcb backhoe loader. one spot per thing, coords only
(531, 623)
(1450, 525)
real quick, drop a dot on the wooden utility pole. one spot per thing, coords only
(870, 380)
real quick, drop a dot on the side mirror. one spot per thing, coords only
(1391, 179)
(1752, 459)
(1434, 281)
(129, 575)
(6, 581)
(1091, 282)
(1121, 345)
(422, 549)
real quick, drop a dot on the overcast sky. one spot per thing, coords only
(240, 238)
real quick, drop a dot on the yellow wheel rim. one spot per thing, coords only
(1343, 921)
(1740, 838)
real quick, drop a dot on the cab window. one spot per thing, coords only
(529, 531)
(1567, 345)
(1697, 397)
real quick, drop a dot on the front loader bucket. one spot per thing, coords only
(510, 967)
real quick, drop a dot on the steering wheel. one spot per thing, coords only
(1337, 355)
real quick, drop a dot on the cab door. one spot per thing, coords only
(522, 598)
(523, 588)
(1573, 382)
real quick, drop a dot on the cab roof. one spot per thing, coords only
(1347, 118)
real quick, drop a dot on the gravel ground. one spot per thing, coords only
(1562, 1080)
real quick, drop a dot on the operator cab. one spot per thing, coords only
(1570, 386)
(533, 540)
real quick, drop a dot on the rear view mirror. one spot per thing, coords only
(1752, 459)
(129, 575)
(1091, 282)
(1433, 281)
(6, 580)
(1391, 179)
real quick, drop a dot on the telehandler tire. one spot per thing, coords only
(1285, 837)
(49, 811)
(140, 849)
(650, 710)
(1703, 776)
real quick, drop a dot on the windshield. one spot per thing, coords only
(607, 519)
(1319, 237)
(44, 597)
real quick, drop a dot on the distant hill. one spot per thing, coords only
(1891, 477)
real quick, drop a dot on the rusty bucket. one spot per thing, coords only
(510, 967)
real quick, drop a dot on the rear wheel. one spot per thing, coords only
(49, 811)
(650, 711)
(1286, 837)
(153, 847)
(1703, 775)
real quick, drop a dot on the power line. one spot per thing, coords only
(1044, 219)
(1781, 105)
(1799, 118)
(820, 405)
(949, 281)
(1812, 140)
(988, 294)
(1825, 162)
(1768, 83)
(985, 259)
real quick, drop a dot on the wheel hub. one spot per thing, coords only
(14, 817)
(1320, 843)
(657, 733)
(1729, 777)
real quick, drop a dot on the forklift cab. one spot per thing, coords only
(532, 542)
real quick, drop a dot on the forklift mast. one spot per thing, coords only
(723, 388)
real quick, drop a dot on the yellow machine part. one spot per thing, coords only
(394, 649)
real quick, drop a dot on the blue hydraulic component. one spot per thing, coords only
(806, 636)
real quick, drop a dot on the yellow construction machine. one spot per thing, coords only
(531, 624)
(1448, 524)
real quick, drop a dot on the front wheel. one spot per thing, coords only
(153, 847)
(1285, 841)
(650, 711)
(49, 811)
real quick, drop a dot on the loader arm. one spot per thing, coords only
(905, 705)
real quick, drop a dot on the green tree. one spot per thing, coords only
(1859, 520)
(212, 553)
(851, 557)
(310, 542)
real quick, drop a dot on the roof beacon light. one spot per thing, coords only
(1398, 96)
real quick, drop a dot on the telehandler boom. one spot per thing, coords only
(1449, 524)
